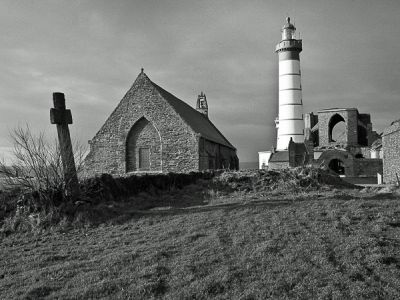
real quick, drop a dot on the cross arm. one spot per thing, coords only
(58, 116)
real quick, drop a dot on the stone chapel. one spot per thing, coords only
(152, 131)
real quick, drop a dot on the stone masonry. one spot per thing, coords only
(391, 152)
(151, 122)
(143, 136)
(350, 118)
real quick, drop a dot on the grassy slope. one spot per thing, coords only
(323, 246)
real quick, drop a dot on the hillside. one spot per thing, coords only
(201, 244)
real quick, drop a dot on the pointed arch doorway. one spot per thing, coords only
(143, 148)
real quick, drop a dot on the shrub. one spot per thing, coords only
(286, 180)
(37, 165)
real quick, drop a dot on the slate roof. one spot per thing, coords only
(196, 120)
(280, 156)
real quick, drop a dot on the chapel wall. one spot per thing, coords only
(179, 144)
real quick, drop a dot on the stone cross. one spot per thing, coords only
(62, 117)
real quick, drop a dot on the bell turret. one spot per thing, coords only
(202, 105)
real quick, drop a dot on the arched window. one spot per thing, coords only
(143, 147)
(337, 129)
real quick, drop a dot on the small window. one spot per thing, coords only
(144, 159)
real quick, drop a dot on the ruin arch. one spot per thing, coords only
(337, 129)
(340, 159)
(143, 147)
(337, 166)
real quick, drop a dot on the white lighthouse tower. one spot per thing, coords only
(290, 121)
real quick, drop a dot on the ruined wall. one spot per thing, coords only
(179, 144)
(298, 154)
(350, 118)
(310, 120)
(391, 153)
(367, 167)
(345, 157)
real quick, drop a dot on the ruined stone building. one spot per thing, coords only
(344, 141)
(391, 153)
(341, 139)
(151, 130)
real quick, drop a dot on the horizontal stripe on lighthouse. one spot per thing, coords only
(291, 112)
(290, 104)
(289, 74)
(289, 82)
(289, 67)
(292, 134)
(291, 89)
(289, 55)
(290, 119)
(290, 126)
(290, 96)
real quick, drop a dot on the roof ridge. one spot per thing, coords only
(131, 90)
(162, 90)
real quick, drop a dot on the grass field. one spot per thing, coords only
(327, 245)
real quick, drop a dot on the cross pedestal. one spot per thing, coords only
(62, 117)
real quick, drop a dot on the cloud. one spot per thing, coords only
(93, 53)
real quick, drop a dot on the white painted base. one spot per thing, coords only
(263, 159)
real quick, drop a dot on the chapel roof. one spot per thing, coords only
(196, 120)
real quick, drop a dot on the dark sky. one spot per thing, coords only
(93, 51)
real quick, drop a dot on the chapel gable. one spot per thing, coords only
(153, 131)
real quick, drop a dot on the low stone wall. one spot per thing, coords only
(278, 165)
(367, 166)
(361, 180)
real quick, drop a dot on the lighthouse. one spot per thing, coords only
(290, 121)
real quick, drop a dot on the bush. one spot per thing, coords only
(37, 165)
(106, 188)
(286, 180)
